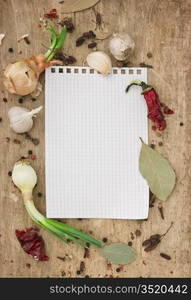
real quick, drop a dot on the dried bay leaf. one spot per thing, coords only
(118, 253)
(157, 171)
(77, 5)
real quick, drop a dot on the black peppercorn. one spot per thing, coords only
(30, 152)
(104, 240)
(10, 173)
(78, 272)
(5, 100)
(10, 50)
(20, 100)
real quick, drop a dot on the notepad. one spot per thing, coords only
(92, 145)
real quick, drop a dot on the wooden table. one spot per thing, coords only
(160, 27)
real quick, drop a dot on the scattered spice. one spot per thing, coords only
(68, 23)
(143, 65)
(28, 265)
(109, 266)
(153, 104)
(33, 157)
(92, 45)
(82, 266)
(67, 60)
(130, 243)
(39, 194)
(165, 256)
(118, 270)
(154, 240)
(8, 139)
(10, 50)
(137, 232)
(26, 39)
(181, 123)
(80, 41)
(78, 272)
(1, 119)
(160, 144)
(89, 35)
(104, 240)
(52, 14)
(35, 141)
(149, 55)
(167, 110)
(152, 146)
(10, 173)
(16, 141)
(33, 99)
(30, 152)
(5, 100)
(86, 276)
(132, 236)
(61, 258)
(63, 273)
(152, 199)
(160, 208)
(32, 243)
(86, 253)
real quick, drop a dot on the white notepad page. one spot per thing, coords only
(92, 132)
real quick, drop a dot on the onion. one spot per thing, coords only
(21, 77)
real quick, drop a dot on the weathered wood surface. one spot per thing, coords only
(161, 27)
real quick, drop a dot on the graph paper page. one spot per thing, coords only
(92, 132)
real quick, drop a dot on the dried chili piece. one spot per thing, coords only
(32, 243)
(155, 113)
(52, 14)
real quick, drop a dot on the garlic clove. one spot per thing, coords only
(21, 118)
(100, 61)
(121, 46)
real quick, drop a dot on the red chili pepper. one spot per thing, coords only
(51, 14)
(32, 243)
(154, 106)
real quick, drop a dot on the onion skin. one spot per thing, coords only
(21, 77)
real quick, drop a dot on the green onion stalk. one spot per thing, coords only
(25, 178)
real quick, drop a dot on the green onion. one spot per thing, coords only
(25, 178)
(57, 41)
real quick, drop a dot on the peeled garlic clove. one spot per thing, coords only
(100, 61)
(121, 46)
(21, 118)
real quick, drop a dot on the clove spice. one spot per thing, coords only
(152, 242)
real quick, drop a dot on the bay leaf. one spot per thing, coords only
(77, 5)
(157, 171)
(118, 253)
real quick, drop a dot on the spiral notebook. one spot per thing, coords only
(92, 132)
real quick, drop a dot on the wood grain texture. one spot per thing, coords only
(161, 27)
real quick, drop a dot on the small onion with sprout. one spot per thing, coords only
(121, 46)
(25, 178)
(21, 77)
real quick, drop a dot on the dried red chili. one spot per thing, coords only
(153, 103)
(52, 14)
(32, 243)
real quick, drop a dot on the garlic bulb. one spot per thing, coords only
(121, 46)
(100, 61)
(21, 118)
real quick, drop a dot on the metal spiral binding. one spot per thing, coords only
(88, 70)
